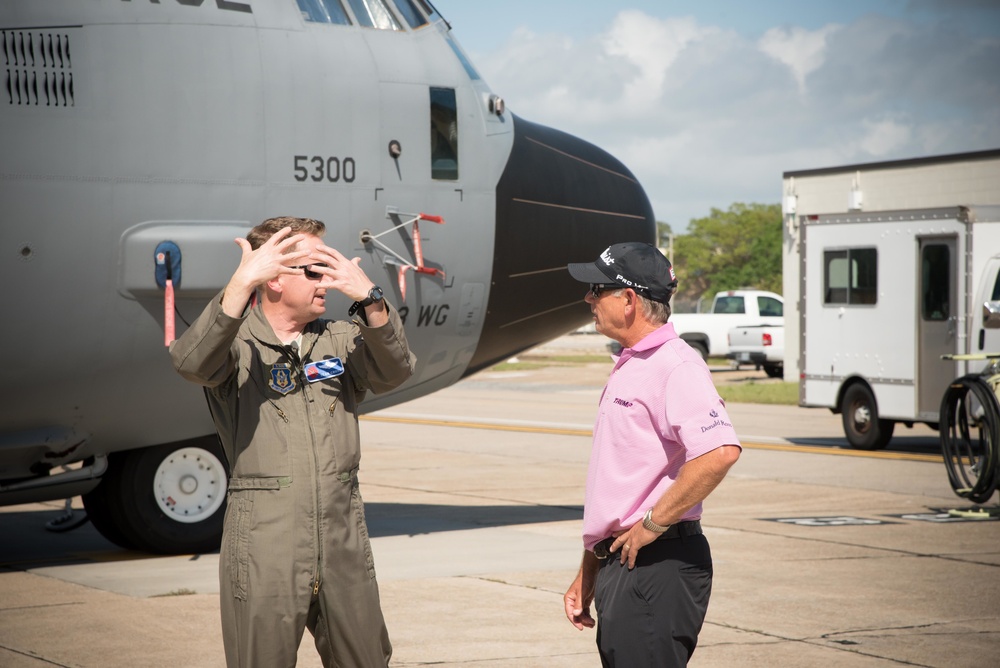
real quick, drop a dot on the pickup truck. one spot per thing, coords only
(760, 345)
(708, 332)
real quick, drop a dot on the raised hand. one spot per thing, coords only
(271, 260)
(341, 273)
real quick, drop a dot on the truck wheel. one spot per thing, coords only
(774, 370)
(862, 425)
(167, 499)
(700, 347)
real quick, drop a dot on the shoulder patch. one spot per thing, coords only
(282, 379)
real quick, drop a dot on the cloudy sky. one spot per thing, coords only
(709, 102)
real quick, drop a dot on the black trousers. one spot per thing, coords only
(651, 615)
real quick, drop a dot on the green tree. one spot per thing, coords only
(730, 249)
(663, 233)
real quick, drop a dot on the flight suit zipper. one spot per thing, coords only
(307, 399)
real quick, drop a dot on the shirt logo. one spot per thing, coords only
(632, 284)
(281, 378)
(717, 423)
(622, 402)
(714, 413)
(324, 369)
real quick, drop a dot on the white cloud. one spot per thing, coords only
(884, 137)
(620, 73)
(803, 51)
(705, 117)
(651, 45)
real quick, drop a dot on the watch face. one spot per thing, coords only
(375, 294)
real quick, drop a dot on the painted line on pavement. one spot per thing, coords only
(510, 425)
(821, 450)
(496, 425)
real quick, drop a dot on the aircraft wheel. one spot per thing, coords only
(167, 499)
(862, 425)
(103, 511)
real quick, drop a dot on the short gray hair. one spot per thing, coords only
(658, 312)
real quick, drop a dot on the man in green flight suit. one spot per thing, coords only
(284, 386)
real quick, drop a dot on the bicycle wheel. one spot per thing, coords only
(970, 436)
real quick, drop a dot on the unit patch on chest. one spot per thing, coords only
(282, 379)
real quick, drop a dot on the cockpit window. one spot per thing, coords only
(374, 14)
(429, 10)
(324, 11)
(444, 134)
(410, 13)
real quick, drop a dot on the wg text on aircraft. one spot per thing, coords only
(140, 137)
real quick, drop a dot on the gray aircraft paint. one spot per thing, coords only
(127, 123)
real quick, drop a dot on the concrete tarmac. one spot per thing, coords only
(823, 556)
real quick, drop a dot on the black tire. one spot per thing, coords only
(774, 370)
(700, 347)
(970, 436)
(862, 425)
(181, 522)
(104, 512)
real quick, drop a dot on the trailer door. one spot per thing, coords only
(937, 321)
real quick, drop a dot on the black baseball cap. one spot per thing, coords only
(632, 264)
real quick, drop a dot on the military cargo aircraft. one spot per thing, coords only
(138, 138)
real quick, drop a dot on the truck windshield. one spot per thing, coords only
(770, 307)
(730, 305)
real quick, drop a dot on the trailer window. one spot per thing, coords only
(935, 272)
(850, 276)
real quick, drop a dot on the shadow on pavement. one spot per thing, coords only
(408, 519)
(922, 445)
(27, 544)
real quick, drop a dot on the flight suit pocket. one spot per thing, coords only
(359, 513)
(238, 543)
(338, 393)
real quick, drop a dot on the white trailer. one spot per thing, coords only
(882, 297)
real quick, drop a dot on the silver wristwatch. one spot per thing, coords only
(648, 523)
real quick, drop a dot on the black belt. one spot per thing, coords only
(692, 528)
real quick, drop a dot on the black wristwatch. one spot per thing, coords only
(374, 295)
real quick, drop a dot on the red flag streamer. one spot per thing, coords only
(403, 265)
(168, 313)
(418, 251)
(401, 277)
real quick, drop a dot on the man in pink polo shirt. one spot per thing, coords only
(662, 442)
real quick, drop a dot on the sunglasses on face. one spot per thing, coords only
(314, 275)
(597, 288)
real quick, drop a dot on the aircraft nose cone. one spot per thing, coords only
(559, 200)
